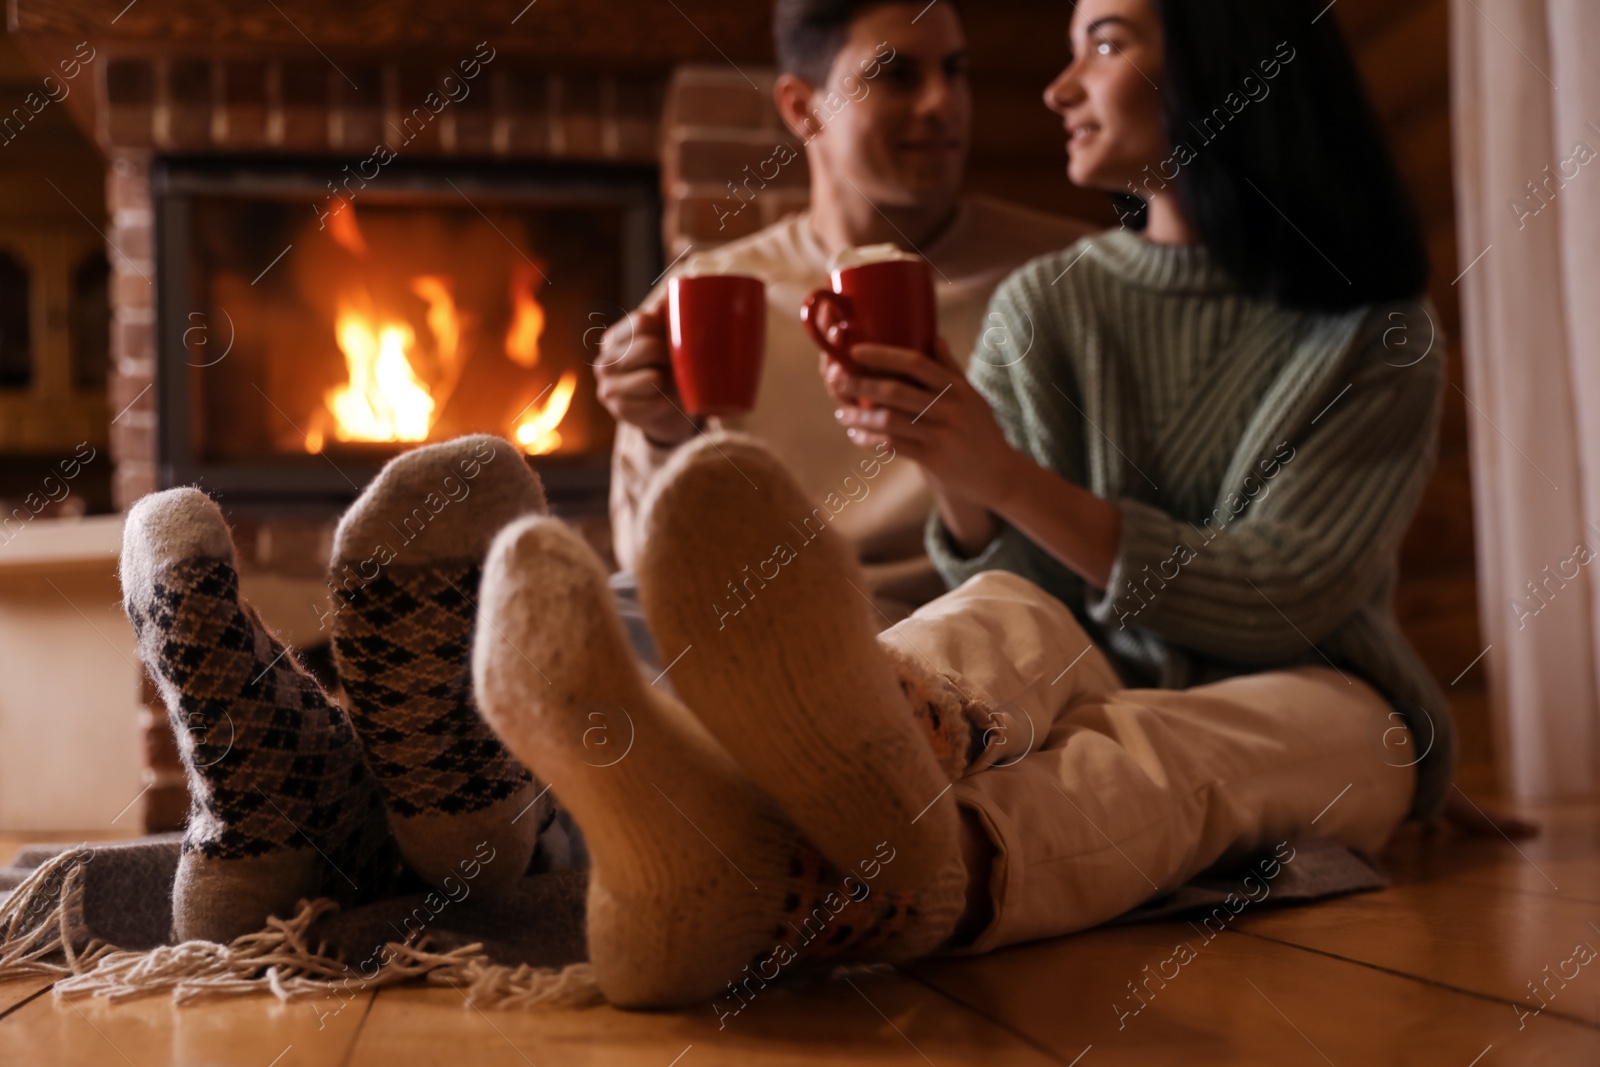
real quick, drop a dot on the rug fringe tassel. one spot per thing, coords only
(278, 959)
(33, 927)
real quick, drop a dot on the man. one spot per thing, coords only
(877, 91)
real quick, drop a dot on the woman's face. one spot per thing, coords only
(1107, 96)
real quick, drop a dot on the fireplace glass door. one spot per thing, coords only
(314, 325)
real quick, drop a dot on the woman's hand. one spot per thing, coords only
(929, 412)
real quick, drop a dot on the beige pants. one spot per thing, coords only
(1120, 795)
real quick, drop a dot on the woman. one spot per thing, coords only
(1207, 438)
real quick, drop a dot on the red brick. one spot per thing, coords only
(128, 288)
(246, 535)
(130, 481)
(126, 395)
(639, 98)
(189, 103)
(130, 88)
(580, 102)
(307, 83)
(638, 140)
(128, 183)
(133, 341)
(149, 696)
(166, 807)
(133, 439)
(160, 744)
(736, 107)
(134, 240)
(715, 161)
(298, 549)
(698, 218)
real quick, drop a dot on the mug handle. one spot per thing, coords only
(828, 327)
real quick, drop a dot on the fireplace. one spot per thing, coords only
(306, 336)
(226, 129)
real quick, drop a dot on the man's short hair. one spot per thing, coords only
(809, 33)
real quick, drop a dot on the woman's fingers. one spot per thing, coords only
(942, 354)
(907, 362)
(835, 379)
(897, 425)
(892, 393)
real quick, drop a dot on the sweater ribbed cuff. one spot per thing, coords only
(1149, 539)
(1008, 552)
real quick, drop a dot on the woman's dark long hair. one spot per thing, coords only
(1290, 182)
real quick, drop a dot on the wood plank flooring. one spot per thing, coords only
(1444, 968)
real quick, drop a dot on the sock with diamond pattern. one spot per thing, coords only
(281, 804)
(407, 560)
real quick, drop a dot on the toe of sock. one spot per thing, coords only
(172, 526)
(441, 501)
(730, 485)
(544, 599)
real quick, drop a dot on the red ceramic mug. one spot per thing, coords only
(716, 335)
(888, 302)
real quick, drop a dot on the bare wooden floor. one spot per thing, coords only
(1432, 971)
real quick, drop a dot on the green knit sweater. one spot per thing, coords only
(1266, 463)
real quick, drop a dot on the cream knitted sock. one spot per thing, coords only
(406, 564)
(766, 609)
(699, 883)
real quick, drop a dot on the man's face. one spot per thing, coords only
(897, 108)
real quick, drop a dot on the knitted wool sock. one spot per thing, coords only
(282, 806)
(741, 575)
(407, 559)
(699, 884)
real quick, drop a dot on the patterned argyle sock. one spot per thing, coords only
(407, 560)
(282, 806)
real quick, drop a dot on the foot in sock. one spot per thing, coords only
(740, 575)
(407, 560)
(699, 884)
(281, 804)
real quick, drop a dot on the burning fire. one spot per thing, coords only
(387, 399)
(527, 320)
(536, 431)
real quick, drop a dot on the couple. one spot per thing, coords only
(1168, 494)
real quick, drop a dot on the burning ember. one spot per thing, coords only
(398, 387)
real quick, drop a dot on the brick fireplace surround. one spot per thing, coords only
(590, 82)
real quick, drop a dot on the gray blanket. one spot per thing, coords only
(127, 901)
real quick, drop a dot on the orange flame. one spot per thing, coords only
(443, 322)
(387, 399)
(527, 320)
(342, 226)
(536, 431)
(384, 400)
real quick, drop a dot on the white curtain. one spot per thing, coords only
(1526, 97)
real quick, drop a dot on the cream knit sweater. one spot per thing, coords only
(1266, 463)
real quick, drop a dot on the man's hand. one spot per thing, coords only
(927, 410)
(634, 380)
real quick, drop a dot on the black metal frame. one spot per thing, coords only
(316, 487)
